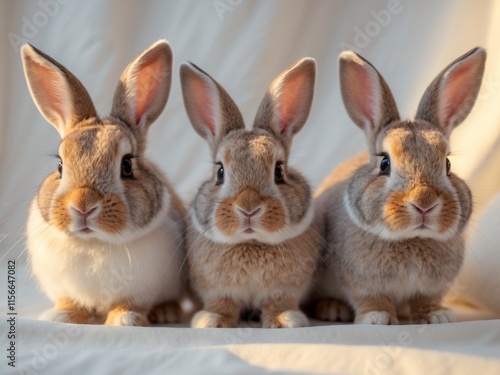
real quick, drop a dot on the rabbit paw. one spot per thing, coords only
(208, 319)
(126, 318)
(376, 318)
(168, 312)
(434, 317)
(334, 310)
(288, 319)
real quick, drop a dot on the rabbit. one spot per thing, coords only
(105, 228)
(253, 244)
(395, 216)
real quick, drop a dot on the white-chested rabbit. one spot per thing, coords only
(395, 216)
(105, 229)
(252, 244)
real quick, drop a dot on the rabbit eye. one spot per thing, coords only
(385, 165)
(60, 168)
(448, 166)
(127, 170)
(279, 173)
(220, 174)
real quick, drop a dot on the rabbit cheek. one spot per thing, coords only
(450, 212)
(226, 219)
(61, 216)
(113, 216)
(45, 195)
(396, 215)
(274, 217)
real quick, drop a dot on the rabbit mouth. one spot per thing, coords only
(425, 222)
(83, 231)
(249, 230)
(83, 226)
(422, 227)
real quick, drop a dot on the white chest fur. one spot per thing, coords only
(97, 275)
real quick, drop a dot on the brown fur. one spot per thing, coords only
(395, 214)
(91, 141)
(226, 219)
(380, 261)
(77, 314)
(91, 153)
(227, 309)
(84, 148)
(333, 310)
(421, 306)
(279, 269)
(168, 312)
(273, 270)
(272, 309)
(274, 219)
(248, 199)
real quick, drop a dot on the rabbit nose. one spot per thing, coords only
(83, 215)
(422, 209)
(248, 214)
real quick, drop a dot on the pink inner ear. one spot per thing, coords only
(292, 99)
(49, 88)
(202, 102)
(362, 93)
(456, 89)
(148, 85)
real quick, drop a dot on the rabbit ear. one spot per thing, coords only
(58, 94)
(367, 97)
(450, 97)
(287, 103)
(144, 86)
(209, 107)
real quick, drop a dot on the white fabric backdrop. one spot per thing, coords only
(244, 44)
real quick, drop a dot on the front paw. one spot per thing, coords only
(434, 317)
(126, 318)
(376, 318)
(208, 319)
(334, 310)
(287, 319)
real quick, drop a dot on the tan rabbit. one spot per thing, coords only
(395, 217)
(252, 244)
(105, 229)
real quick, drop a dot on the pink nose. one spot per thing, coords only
(423, 210)
(83, 215)
(248, 214)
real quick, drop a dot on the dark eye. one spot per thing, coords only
(127, 170)
(60, 168)
(279, 173)
(448, 166)
(385, 166)
(220, 174)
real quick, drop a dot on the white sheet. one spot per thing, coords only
(244, 45)
(459, 348)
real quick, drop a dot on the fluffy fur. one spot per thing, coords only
(104, 245)
(397, 237)
(254, 241)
